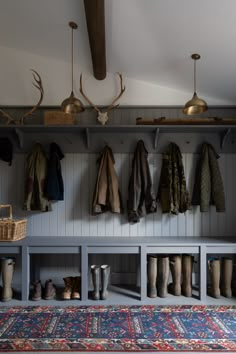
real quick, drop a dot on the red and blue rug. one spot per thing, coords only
(118, 328)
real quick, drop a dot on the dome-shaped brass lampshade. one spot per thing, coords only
(72, 104)
(196, 105)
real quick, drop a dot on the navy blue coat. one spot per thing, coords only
(54, 187)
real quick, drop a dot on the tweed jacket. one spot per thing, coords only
(36, 172)
(208, 188)
(141, 199)
(106, 194)
(172, 191)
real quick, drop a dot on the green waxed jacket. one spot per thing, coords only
(208, 188)
(172, 191)
(36, 171)
(141, 199)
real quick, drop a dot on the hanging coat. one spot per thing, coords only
(6, 150)
(141, 199)
(36, 172)
(106, 194)
(208, 188)
(172, 191)
(54, 186)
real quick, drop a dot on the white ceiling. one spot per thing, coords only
(148, 40)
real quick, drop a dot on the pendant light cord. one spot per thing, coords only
(194, 75)
(72, 60)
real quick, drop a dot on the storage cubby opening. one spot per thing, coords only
(123, 279)
(44, 267)
(15, 283)
(172, 276)
(221, 276)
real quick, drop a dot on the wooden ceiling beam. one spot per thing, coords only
(95, 17)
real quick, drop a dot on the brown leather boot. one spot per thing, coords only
(76, 288)
(163, 275)
(175, 268)
(187, 268)
(214, 269)
(50, 290)
(67, 292)
(152, 276)
(37, 291)
(227, 271)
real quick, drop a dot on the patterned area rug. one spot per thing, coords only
(118, 328)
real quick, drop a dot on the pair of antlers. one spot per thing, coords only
(38, 84)
(112, 105)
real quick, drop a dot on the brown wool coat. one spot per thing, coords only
(106, 194)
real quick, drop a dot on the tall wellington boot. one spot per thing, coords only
(152, 276)
(7, 265)
(175, 268)
(95, 270)
(163, 275)
(105, 274)
(227, 271)
(187, 268)
(214, 269)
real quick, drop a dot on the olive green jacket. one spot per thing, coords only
(36, 172)
(208, 188)
(141, 199)
(172, 191)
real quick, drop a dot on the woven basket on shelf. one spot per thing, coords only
(12, 230)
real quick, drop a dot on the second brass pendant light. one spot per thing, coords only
(72, 104)
(196, 105)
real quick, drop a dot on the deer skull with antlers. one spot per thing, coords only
(102, 117)
(39, 86)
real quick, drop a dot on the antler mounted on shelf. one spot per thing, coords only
(102, 117)
(38, 84)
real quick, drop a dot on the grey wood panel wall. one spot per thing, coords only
(72, 217)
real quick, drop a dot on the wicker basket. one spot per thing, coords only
(12, 230)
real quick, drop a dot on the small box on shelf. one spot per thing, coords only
(58, 118)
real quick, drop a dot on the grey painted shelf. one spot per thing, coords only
(86, 136)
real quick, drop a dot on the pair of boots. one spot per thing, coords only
(48, 293)
(7, 267)
(181, 270)
(104, 272)
(215, 275)
(158, 275)
(72, 288)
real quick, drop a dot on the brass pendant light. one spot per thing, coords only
(72, 104)
(196, 105)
